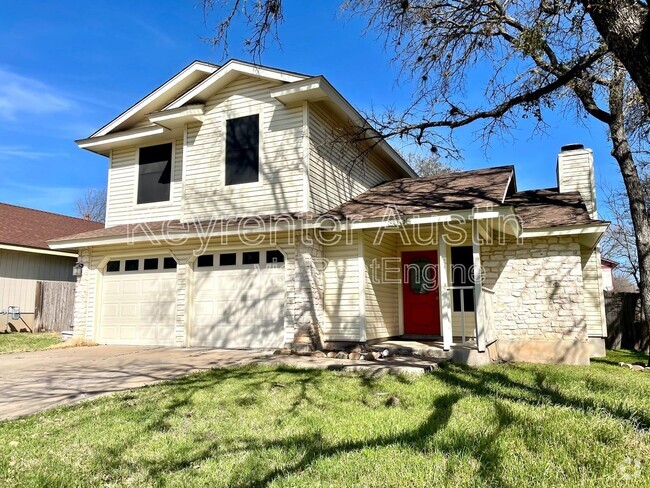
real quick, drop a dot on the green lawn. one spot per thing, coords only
(23, 341)
(503, 425)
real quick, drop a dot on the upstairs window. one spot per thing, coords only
(242, 150)
(155, 171)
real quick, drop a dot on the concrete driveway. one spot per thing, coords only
(34, 381)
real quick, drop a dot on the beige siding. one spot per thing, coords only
(34, 266)
(282, 183)
(336, 171)
(593, 292)
(122, 207)
(341, 290)
(381, 283)
(21, 293)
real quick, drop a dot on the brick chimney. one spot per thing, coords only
(575, 172)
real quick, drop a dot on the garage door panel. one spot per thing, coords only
(238, 308)
(138, 308)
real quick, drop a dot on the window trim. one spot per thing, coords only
(172, 182)
(236, 114)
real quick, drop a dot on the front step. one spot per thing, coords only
(460, 354)
(416, 349)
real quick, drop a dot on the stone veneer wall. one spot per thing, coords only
(538, 289)
(308, 293)
(80, 317)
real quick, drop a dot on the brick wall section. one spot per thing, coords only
(538, 289)
(308, 292)
(80, 318)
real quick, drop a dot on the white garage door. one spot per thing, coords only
(239, 300)
(139, 302)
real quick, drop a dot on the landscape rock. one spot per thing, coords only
(636, 367)
(282, 352)
(341, 355)
(354, 356)
(318, 354)
(331, 354)
(302, 349)
(376, 355)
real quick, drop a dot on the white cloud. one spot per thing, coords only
(23, 152)
(23, 95)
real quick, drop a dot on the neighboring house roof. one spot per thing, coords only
(610, 263)
(30, 228)
(550, 208)
(440, 193)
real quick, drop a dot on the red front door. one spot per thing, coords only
(420, 293)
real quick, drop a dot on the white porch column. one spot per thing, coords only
(445, 302)
(478, 288)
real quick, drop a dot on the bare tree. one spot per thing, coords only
(619, 242)
(428, 165)
(584, 57)
(92, 205)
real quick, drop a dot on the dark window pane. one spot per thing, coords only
(131, 265)
(155, 170)
(113, 266)
(228, 259)
(205, 261)
(151, 263)
(251, 258)
(242, 150)
(462, 262)
(169, 263)
(274, 257)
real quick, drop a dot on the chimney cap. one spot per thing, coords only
(572, 147)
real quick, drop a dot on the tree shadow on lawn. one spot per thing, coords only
(312, 446)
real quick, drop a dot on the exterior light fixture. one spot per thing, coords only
(77, 269)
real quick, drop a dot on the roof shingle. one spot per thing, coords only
(20, 226)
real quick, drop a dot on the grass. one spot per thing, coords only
(502, 425)
(24, 341)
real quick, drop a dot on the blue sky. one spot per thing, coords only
(68, 67)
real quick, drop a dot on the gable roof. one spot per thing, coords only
(169, 91)
(440, 193)
(27, 227)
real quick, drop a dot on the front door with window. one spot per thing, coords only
(420, 293)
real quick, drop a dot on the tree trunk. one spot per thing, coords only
(625, 27)
(636, 196)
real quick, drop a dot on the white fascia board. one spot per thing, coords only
(226, 72)
(35, 250)
(167, 87)
(98, 144)
(317, 87)
(565, 231)
(171, 119)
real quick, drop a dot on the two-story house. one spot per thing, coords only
(251, 207)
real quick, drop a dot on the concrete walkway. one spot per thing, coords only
(34, 381)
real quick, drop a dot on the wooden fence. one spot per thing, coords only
(54, 306)
(626, 328)
(44, 305)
